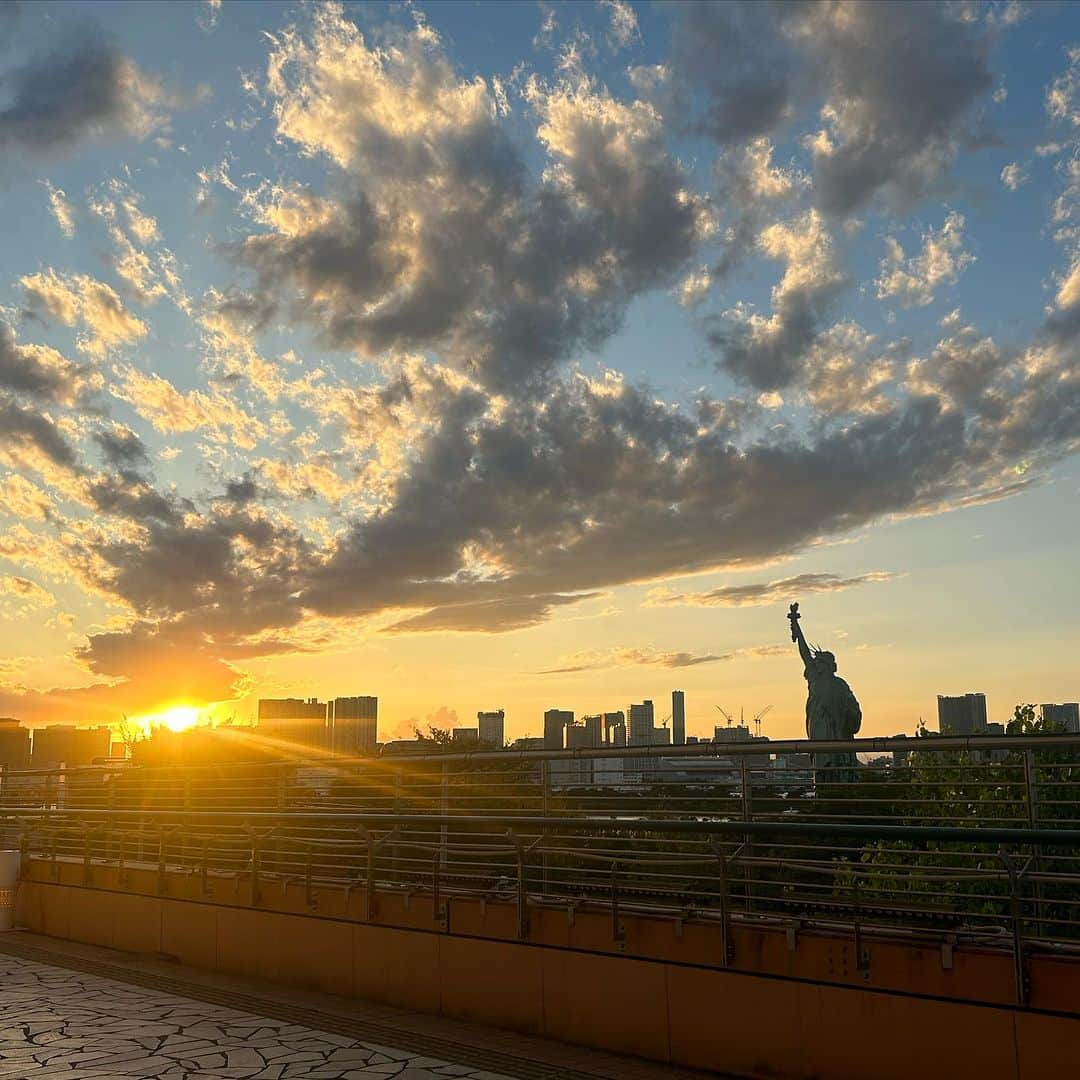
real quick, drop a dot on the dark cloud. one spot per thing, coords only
(899, 82)
(488, 616)
(439, 238)
(23, 429)
(628, 657)
(784, 590)
(82, 88)
(242, 491)
(123, 449)
(39, 372)
(902, 79)
(735, 56)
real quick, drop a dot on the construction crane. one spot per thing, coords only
(757, 720)
(664, 722)
(726, 715)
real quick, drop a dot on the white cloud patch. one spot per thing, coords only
(913, 281)
(1014, 175)
(79, 300)
(61, 210)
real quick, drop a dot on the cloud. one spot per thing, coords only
(1063, 94)
(30, 437)
(41, 372)
(898, 83)
(622, 25)
(783, 590)
(29, 594)
(849, 371)
(488, 616)
(1014, 175)
(768, 352)
(84, 88)
(912, 282)
(436, 236)
(62, 210)
(76, 299)
(629, 657)
(171, 410)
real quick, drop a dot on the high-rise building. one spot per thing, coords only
(555, 723)
(492, 728)
(661, 736)
(14, 744)
(294, 723)
(355, 725)
(580, 771)
(65, 744)
(641, 724)
(594, 726)
(964, 715)
(1065, 716)
(678, 718)
(615, 728)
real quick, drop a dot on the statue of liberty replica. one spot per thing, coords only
(832, 711)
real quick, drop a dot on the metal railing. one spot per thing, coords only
(962, 840)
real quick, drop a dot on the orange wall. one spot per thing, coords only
(732, 1021)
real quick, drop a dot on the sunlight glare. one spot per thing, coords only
(178, 718)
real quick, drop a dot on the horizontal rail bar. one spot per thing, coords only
(947, 834)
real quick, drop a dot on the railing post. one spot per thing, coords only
(444, 809)
(395, 852)
(618, 934)
(545, 782)
(436, 893)
(256, 884)
(727, 950)
(747, 782)
(1031, 792)
(1023, 988)
(163, 884)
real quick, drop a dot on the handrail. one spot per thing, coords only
(872, 745)
(948, 834)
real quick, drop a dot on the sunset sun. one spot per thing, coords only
(178, 718)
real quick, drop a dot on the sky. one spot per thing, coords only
(484, 355)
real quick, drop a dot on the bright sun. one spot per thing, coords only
(178, 718)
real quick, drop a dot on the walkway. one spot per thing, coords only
(78, 1012)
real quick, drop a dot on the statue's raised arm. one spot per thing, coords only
(797, 635)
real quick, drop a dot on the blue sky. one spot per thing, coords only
(419, 349)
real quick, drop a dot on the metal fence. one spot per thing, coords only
(964, 840)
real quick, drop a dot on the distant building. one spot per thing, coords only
(14, 744)
(964, 715)
(578, 771)
(641, 724)
(678, 718)
(355, 725)
(65, 744)
(465, 735)
(527, 743)
(661, 736)
(1066, 716)
(303, 724)
(594, 726)
(555, 723)
(492, 728)
(731, 733)
(614, 728)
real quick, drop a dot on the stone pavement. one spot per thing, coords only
(55, 1022)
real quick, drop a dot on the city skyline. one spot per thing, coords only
(505, 366)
